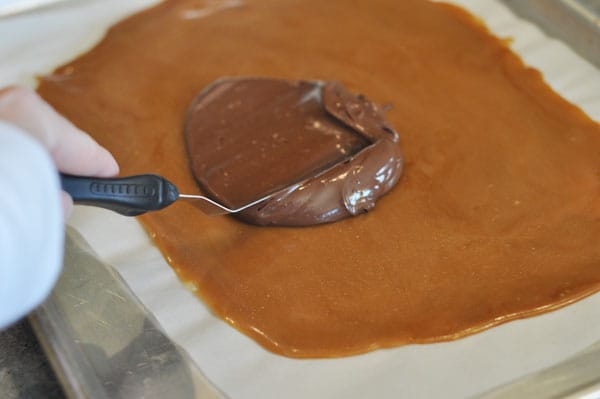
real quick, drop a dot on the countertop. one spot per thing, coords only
(24, 370)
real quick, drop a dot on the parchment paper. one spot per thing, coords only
(35, 43)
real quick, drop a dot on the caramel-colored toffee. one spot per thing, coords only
(323, 153)
(496, 216)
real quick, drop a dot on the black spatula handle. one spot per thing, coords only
(129, 196)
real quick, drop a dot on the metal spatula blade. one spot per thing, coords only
(138, 194)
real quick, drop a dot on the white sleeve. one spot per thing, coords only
(31, 224)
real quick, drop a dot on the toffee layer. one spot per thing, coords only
(496, 216)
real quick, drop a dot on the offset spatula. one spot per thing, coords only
(138, 194)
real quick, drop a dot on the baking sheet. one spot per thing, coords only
(238, 366)
(103, 343)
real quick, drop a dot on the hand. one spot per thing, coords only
(73, 151)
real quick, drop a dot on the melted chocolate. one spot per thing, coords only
(322, 152)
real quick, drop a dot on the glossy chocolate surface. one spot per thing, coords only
(324, 153)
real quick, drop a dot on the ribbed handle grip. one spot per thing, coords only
(129, 196)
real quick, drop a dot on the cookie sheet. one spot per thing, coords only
(35, 43)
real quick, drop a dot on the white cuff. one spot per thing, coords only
(31, 224)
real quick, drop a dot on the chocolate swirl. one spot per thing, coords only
(324, 153)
